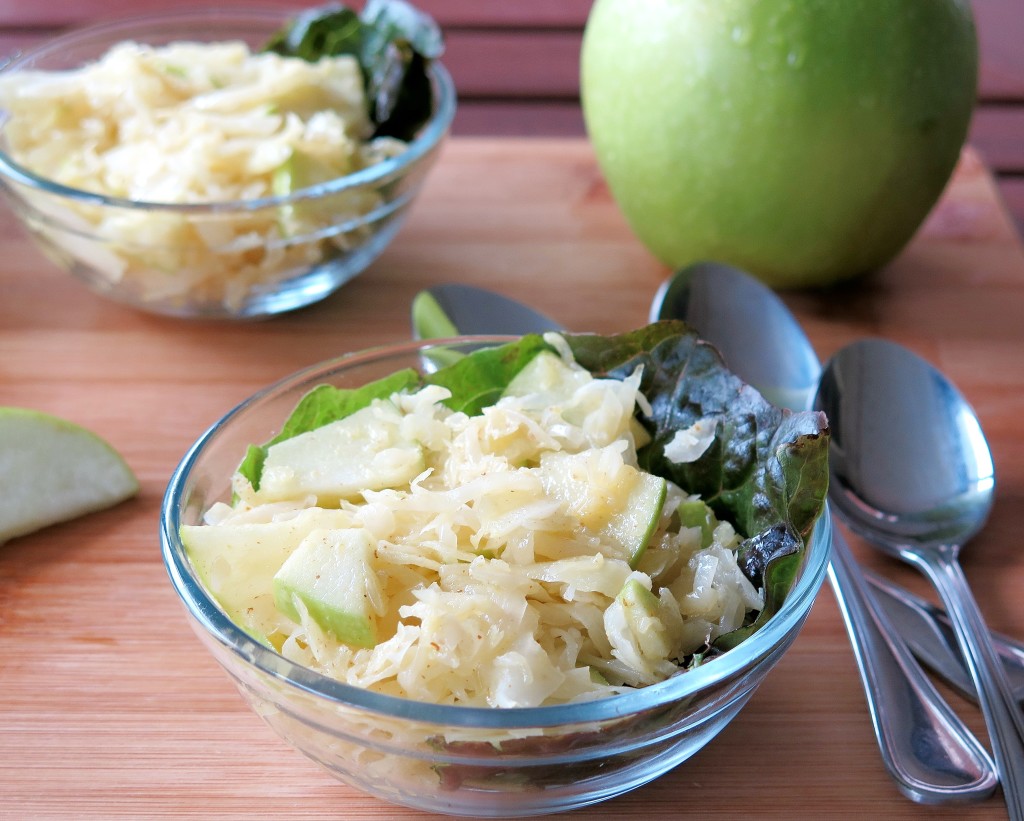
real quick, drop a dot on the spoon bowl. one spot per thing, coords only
(940, 488)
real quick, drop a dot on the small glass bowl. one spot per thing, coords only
(458, 760)
(218, 259)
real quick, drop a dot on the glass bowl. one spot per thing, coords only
(479, 762)
(216, 259)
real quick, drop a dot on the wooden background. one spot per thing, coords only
(109, 706)
(515, 65)
(111, 709)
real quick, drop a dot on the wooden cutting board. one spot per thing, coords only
(109, 706)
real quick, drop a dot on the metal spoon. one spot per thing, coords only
(927, 749)
(956, 768)
(910, 466)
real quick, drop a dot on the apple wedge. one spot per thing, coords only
(52, 470)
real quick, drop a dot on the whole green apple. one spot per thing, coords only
(803, 140)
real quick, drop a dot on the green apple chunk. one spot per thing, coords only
(548, 374)
(52, 470)
(804, 141)
(429, 319)
(364, 451)
(299, 171)
(302, 170)
(623, 510)
(331, 577)
(550, 380)
(696, 513)
(642, 613)
(237, 562)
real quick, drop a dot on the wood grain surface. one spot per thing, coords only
(111, 709)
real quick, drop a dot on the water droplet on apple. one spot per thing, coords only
(741, 35)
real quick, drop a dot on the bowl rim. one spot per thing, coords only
(429, 137)
(223, 630)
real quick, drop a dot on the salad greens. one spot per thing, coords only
(394, 44)
(475, 381)
(478, 380)
(766, 470)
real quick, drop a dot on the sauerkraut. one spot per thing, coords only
(497, 570)
(192, 123)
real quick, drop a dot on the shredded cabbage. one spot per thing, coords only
(195, 123)
(490, 590)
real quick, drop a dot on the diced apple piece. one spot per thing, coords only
(299, 171)
(302, 170)
(364, 451)
(237, 562)
(696, 513)
(641, 436)
(642, 611)
(548, 375)
(331, 574)
(583, 573)
(636, 522)
(429, 319)
(623, 509)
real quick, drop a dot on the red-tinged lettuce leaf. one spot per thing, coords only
(394, 44)
(779, 549)
(766, 465)
(399, 42)
(767, 469)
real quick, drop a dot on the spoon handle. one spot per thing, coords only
(1003, 716)
(925, 746)
(930, 636)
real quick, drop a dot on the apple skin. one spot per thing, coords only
(804, 141)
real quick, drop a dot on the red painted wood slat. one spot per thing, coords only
(1001, 41)
(998, 132)
(1011, 189)
(545, 65)
(552, 118)
(473, 13)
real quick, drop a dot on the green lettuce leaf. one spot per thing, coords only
(478, 379)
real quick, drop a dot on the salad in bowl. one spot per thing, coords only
(503, 555)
